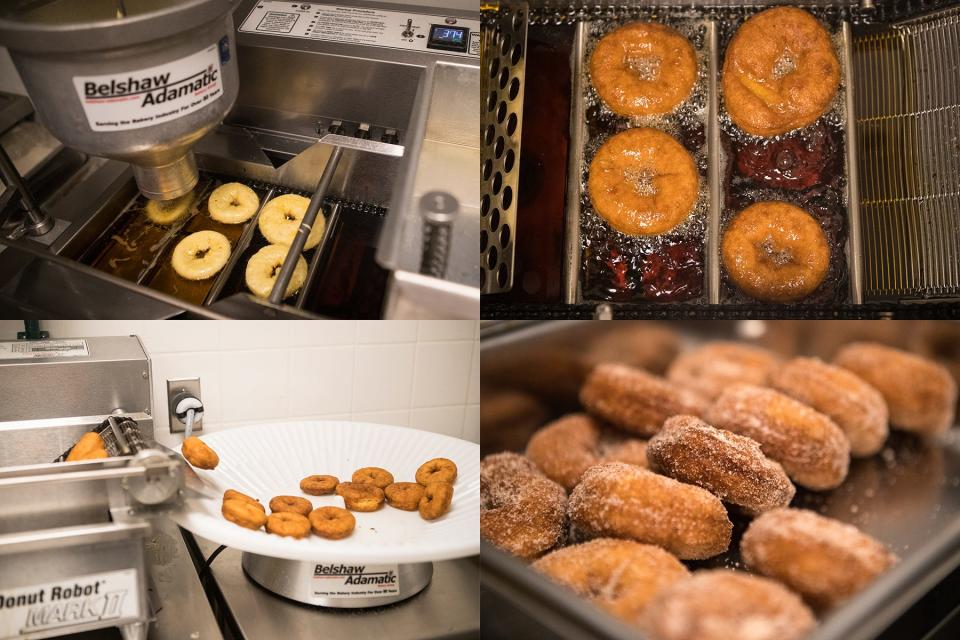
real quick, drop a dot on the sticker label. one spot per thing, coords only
(332, 580)
(27, 349)
(143, 98)
(106, 597)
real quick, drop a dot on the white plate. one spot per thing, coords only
(268, 460)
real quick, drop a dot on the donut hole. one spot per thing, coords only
(785, 64)
(504, 236)
(200, 253)
(641, 180)
(769, 251)
(644, 65)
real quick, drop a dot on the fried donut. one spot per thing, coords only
(290, 504)
(780, 72)
(824, 560)
(230, 494)
(618, 449)
(198, 454)
(244, 513)
(166, 212)
(775, 252)
(713, 367)
(643, 68)
(437, 470)
(373, 475)
(729, 466)
(620, 576)
(280, 220)
(643, 182)
(332, 523)
(634, 400)
(288, 524)
(319, 485)
(233, 203)
(565, 448)
(851, 403)
(360, 497)
(720, 604)
(812, 449)
(201, 255)
(90, 446)
(521, 511)
(614, 499)
(436, 500)
(264, 267)
(920, 394)
(404, 495)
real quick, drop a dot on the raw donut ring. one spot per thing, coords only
(845, 398)
(201, 255)
(620, 576)
(290, 504)
(165, 212)
(776, 252)
(264, 267)
(243, 513)
(280, 220)
(824, 560)
(437, 470)
(713, 367)
(288, 524)
(230, 494)
(812, 449)
(319, 485)
(643, 68)
(360, 497)
(620, 500)
(404, 495)
(436, 500)
(921, 395)
(643, 182)
(376, 476)
(634, 400)
(780, 72)
(90, 446)
(729, 466)
(332, 523)
(198, 454)
(232, 203)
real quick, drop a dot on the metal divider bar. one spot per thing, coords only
(571, 239)
(712, 241)
(332, 223)
(855, 257)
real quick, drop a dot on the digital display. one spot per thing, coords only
(448, 38)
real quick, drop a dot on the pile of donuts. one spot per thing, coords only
(729, 427)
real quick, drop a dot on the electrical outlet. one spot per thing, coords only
(176, 390)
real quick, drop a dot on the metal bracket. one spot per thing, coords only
(177, 389)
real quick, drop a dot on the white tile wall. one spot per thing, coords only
(423, 374)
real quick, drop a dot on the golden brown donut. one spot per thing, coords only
(290, 504)
(436, 500)
(780, 72)
(243, 513)
(714, 366)
(617, 449)
(824, 560)
(643, 182)
(332, 523)
(360, 497)
(721, 604)
(775, 252)
(620, 576)
(643, 68)
(288, 524)
(845, 398)
(319, 485)
(90, 446)
(380, 478)
(404, 495)
(634, 400)
(921, 395)
(437, 470)
(230, 494)
(649, 345)
(812, 449)
(198, 454)
(614, 499)
(729, 466)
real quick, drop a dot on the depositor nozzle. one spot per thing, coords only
(168, 181)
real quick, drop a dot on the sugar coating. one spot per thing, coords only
(616, 448)
(710, 369)
(565, 448)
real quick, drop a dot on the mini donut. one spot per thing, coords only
(373, 475)
(565, 448)
(201, 255)
(280, 220)
(332, 523)
(845, 398)
(198, 454)
(824, 560)
(775, 252)
(780, 72)
(230, 494)
(619, 500)
(643, 182)
(288, 524)
(643, 68)
(404, 495)
(812, 449)
(264, 267)
(521, 511)
(436, 500)
(437, 470)
(721, 604)
(244, 513)
(290, 504)
(90, 446)
(233, 203)
(729, 466)
(319, 485)
(650, 346)
(713, 367)
(620, 576)
(166, 212)
(920, 394)
(618, 449)
(635, 400)
(360, 497)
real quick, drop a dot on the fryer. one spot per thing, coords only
(886, 196)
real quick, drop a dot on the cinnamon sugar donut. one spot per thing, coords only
(614, 499)
(780, 72)
(643, 68)
(845, 398)
(812, 449)
(824, 560)
(731, 467)
(775, 252)
(643, 182)
(614, 448)
(711, 368)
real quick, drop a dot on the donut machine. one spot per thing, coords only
(877, 170)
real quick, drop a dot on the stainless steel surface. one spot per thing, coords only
(714, 158)
(313, 269)
(37, 222)
(177, 390)
(413, 296)
(571, 220)
(855, 243)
